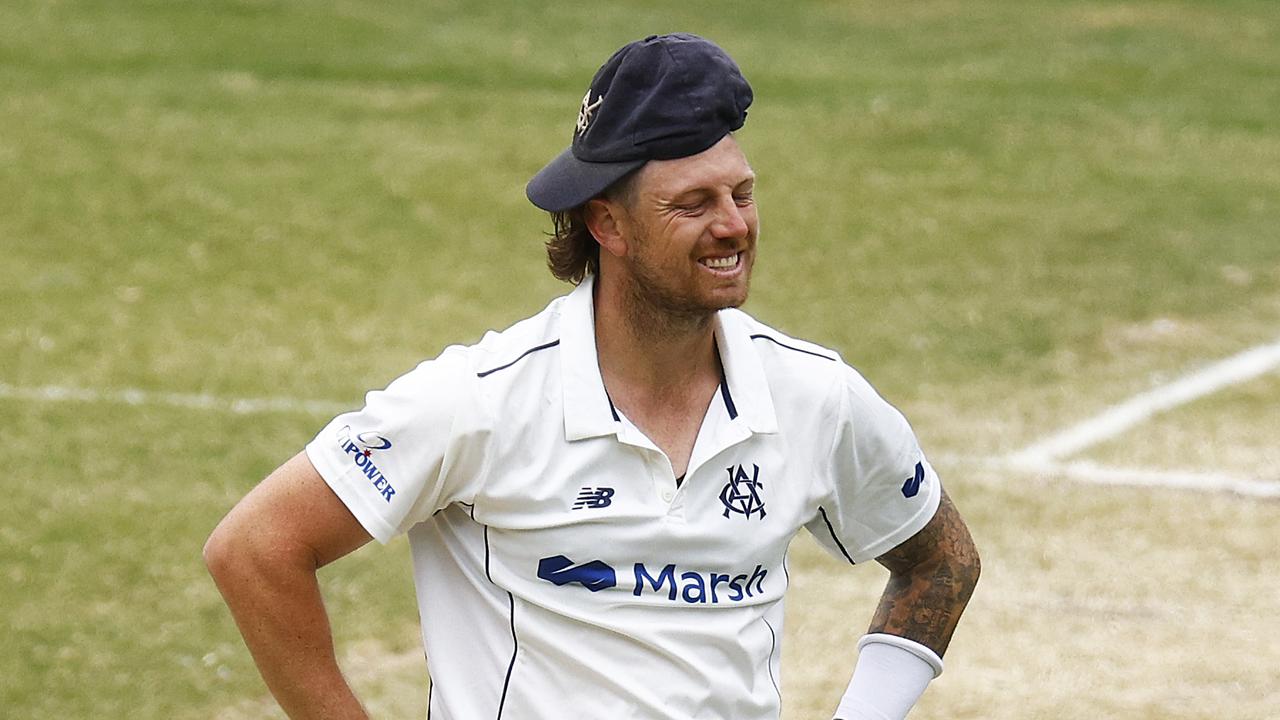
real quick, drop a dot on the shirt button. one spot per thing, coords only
(666, 496)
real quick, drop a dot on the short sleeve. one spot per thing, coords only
(879, 487)
(405, 454)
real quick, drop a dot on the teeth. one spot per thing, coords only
(726, 262)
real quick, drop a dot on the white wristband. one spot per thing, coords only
(891, 675)
(924, 652)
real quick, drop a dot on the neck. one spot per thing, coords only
(643, 345)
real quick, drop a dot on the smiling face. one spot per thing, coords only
(687, 230)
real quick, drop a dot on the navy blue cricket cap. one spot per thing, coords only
(660, 98)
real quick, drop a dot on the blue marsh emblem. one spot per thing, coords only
(742, 493)
(595, 576)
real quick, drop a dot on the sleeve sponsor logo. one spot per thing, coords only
(912, 486)
(368, 441)
(361, 447)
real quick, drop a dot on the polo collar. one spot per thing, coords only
(588, 411)
(744, 372)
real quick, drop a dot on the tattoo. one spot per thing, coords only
(931, 577)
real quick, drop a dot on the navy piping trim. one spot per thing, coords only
(515, 650)
(523, 355)
(724, 391)
(431, 688)
(515, 641)
(773, 645)
(612, 410)
(486, 554)
(829, 529)
(728, 400)
(779, 343)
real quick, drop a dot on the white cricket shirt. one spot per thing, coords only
(562, 572)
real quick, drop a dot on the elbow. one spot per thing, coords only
(969, 571)
(234, 559)
(214, 553)
(219, 553)
(239, 554)
(975, 574)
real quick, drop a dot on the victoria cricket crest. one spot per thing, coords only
(742, 493)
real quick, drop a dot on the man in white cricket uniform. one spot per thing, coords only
(600, 498)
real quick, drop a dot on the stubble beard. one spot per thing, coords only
(657, 310)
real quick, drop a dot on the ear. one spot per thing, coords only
(607, 221)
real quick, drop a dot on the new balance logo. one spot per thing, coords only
(594, 576)
(594, 498)
(912, 485)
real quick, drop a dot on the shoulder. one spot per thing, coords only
(808, 373)
(779, 346)
(518, 348)
(788, 362)
(453, 378)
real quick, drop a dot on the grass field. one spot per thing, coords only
(1009, 216)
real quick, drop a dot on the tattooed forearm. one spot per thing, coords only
(931, 577)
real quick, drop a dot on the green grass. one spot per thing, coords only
(994, 210)
(111, 613)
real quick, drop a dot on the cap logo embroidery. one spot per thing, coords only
(588, 107)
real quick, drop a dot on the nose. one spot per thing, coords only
(730, 220)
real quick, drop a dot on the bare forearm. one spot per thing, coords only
(281, 615)
(928, 591)
(264, 556)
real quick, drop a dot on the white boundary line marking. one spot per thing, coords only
(190, 401)
(1095, 474)
(1119, 418)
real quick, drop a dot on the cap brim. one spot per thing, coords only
(567, 182)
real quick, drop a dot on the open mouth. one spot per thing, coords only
(721, 263)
